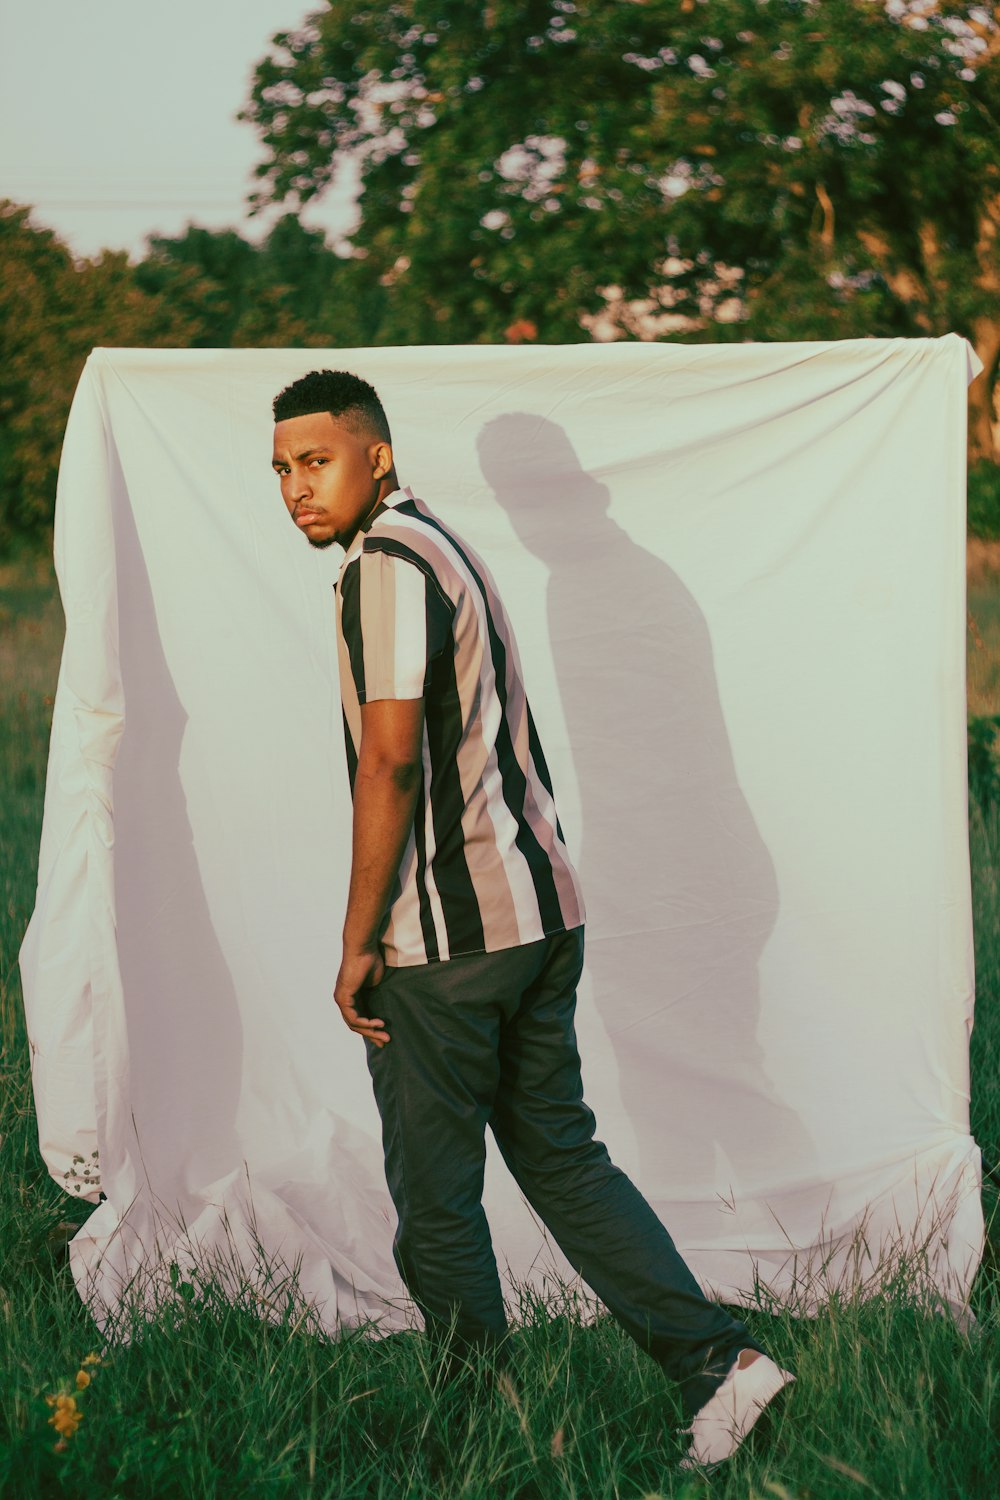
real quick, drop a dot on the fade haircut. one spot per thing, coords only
(345, 396)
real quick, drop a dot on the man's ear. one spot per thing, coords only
(381, 455)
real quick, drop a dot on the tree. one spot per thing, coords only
(34, 269)
(290, 290)
(751, 168)
(204, 288)
(53, 311)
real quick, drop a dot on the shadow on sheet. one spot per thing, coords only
(669, 843)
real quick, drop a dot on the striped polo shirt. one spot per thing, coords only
(486, 866)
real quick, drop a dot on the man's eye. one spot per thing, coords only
(319, 460)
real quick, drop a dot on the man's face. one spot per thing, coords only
(328, 476)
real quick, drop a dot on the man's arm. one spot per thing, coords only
(385, 796)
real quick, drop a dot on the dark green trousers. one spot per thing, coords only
(489, 1040)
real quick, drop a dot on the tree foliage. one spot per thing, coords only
(202, 289)
(561, 170)
(735, 169)
(53, 310)
(291, 290)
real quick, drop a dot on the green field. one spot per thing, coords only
(208, 1401)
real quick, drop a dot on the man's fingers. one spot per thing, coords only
(368, 1028)
(369, 1035)
(372, 1027)
(351, 1013)
(353, 1018)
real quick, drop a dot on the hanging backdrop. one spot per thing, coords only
(737, 577)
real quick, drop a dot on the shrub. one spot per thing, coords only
(984, 501)
(984, 767)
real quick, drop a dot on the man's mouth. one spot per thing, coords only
(304, 517)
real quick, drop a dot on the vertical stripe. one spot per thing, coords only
(538, 757)
(486, 866)
(482, 711)
(378, 625)
(352, 754)
(542, 816)
(350, 622)
(438, 936)
(431, 949)
(482, 704)
(457, 893)
(410, 629)
(504, 891)
(511, 772)
(489, 875)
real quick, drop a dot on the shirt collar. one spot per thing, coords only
(400, 496)
(397, 497)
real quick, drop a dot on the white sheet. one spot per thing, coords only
(737, 577)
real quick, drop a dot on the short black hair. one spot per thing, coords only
(345, 396)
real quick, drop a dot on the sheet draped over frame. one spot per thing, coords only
(737, 577)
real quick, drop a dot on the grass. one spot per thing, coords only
(206, 1399)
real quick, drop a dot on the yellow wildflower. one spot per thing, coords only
(67, 1417)
(82, 1380)
(90, 1359)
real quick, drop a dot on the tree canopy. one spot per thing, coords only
(563, 169)
(204, 288)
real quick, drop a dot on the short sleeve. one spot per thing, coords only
(395, 620)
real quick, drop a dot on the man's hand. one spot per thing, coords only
(360, 973)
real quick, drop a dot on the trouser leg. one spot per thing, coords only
(434, 1085)
(490, 1039)
(604, 1226)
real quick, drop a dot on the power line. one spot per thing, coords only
(131, 185)
(154, 205)
(120, 186)
(145, 205)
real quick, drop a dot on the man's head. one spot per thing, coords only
(332, 453)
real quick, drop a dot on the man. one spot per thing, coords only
(463, 937)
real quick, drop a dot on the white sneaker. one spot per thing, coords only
(723, 1422)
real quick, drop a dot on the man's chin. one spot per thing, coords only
(321, 541)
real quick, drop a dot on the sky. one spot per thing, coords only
(118, 117)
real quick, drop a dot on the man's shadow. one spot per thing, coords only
(680, 889)
(185, 1037)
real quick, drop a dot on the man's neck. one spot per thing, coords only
(389, 484)
(387, 487)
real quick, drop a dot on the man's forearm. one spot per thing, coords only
(385, 798)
